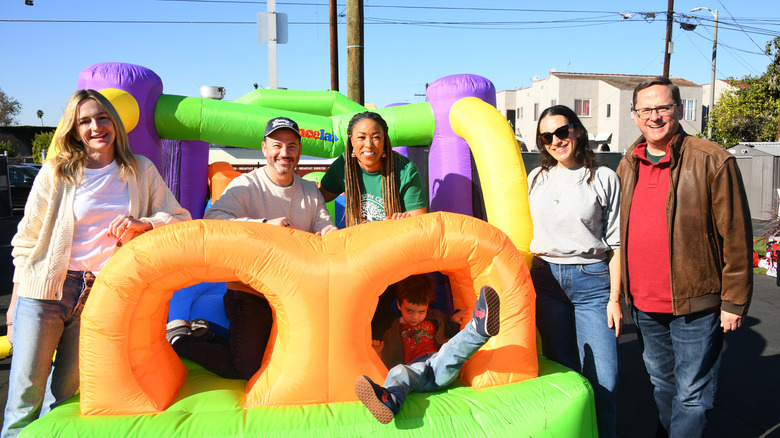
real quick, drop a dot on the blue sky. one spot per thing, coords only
(408, 44)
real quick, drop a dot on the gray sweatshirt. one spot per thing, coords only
(575, 222)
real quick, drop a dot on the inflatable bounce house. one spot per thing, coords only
(322, 294)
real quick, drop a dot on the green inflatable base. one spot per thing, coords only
(559, 403)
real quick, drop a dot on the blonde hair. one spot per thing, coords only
(72, 157)
(390, 181)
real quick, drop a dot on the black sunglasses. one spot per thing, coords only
(561, 133)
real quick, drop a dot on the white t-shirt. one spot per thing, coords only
(100, 198)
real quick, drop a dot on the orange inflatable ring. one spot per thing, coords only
(323, 291)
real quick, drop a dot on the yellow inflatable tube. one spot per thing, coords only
(501, 169)
(323, 291)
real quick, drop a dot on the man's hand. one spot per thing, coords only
(281, 222)
(730, 321)
(326, 230)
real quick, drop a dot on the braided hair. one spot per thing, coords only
(390, 180)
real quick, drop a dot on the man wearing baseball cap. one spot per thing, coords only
(276, 195)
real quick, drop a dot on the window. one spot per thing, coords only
(689, 109)
(582, 107)
(536, 112)
(609, 110)
(521, 112)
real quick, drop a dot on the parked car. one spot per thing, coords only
(21, 178)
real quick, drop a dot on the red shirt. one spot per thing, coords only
(647, 243)
(418, 340)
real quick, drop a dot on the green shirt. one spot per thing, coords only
(410, 187)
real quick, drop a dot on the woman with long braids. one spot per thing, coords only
(378, 184)
(575, 208)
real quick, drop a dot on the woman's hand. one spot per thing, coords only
(399, 215)
(326, 230)
(120, 226)
(378, 345)
(615, 316)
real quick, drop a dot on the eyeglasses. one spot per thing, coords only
(663, 110)
(562, 133)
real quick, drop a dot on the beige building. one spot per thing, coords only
(602, 102)
(721, 86)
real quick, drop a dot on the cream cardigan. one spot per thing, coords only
(43, 239)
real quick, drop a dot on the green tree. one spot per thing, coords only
(9, 109)
(8, 147)
(41, 143)
(749, 110)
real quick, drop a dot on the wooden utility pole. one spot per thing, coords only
(273, 79)
(334, 47)
(355, 86)
(668, 49)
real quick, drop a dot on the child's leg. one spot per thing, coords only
(384, 402)
(403, 379)
(444, 366)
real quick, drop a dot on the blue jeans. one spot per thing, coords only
(251, 319)
(35, 384)
(436, 371)
(571, 315)
(682, 356)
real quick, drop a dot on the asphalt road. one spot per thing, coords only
(748, 400)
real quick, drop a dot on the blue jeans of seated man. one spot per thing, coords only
(682, 356)
(251, 319)
(436, 371)
(35, 384)
(571, 315)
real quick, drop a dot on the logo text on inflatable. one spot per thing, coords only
(319, 135)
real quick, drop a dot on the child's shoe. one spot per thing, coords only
(377, 399)
(487, 312)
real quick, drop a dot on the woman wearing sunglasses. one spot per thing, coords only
(576, 270)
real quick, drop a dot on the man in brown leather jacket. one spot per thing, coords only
(686, 247)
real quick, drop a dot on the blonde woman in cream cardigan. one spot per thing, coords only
(94, 196)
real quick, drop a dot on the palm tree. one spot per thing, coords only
(40, 116)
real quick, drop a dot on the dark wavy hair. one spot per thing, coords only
(390, 192)
(415, 289)
(582, 153)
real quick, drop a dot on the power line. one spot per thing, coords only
(467, 24)
(374, 6)
(735, 21)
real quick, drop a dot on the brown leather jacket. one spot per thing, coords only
(708, 221)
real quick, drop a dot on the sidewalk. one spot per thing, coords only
(746, 405)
